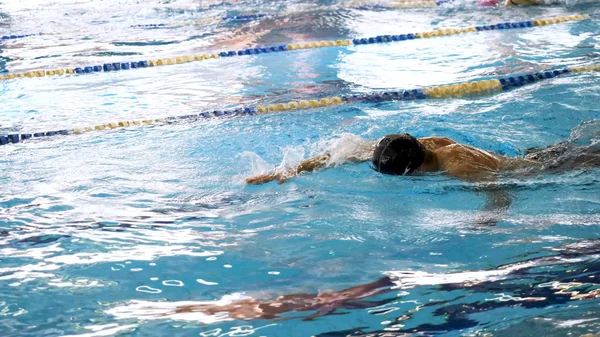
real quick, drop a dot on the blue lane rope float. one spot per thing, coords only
(466, 89)
(108, 67)
(14, 37)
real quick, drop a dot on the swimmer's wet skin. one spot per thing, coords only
(401, 154)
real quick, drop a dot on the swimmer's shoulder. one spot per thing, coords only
(433, 143)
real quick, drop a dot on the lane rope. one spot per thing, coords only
(457, 90)
(108, 67)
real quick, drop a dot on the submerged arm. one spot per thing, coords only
(497, 200)
(481, 170)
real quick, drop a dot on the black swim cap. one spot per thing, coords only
(398, 154)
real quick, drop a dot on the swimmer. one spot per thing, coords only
(403, 154)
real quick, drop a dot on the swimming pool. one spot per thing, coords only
(113, 232)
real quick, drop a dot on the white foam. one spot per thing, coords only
(258, 165)
(586, 133)
(292, 157)
(347, 147)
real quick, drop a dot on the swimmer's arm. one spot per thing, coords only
(263, 178)
(497, 201)
(308, 165)
(318, 162)
(362, 153)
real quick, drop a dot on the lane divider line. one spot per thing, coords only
(117, 66)
(457, 90)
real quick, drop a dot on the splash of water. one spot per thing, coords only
(257, 164)
(347, 147)
(292, 156)
(586, 133)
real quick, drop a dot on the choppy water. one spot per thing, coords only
(138, 231)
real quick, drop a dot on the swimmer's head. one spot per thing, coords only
(398, 154)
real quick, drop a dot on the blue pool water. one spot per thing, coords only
(138, 231)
